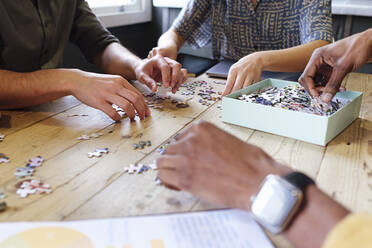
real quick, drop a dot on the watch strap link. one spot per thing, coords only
(299, 179)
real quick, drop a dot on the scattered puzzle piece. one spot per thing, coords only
(98, 152)
(90, 136)
(157, 181)
(35, 162)
(23, 172)
(2, 195)
(84, 137)
(30, 187)
(4, 160)
(2, 137)
(141, 144)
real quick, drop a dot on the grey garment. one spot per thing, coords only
(33, 37)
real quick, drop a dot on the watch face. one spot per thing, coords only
(275, 203)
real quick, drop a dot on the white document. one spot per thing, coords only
(210, 229)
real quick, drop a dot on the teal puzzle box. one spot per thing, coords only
(307, 127)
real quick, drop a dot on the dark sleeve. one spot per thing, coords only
(88, 33)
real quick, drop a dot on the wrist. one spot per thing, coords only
(368, 35)
(266, 167)
(135, 67)
(262, 59)
(65, 79)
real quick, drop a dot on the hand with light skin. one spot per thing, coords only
(222, 169)
(100, 91)
(168, 45)
(249, 68)
(330, 64)
(161, 69)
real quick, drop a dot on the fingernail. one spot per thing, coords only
(327, 97)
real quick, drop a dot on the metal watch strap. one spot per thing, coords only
(299, 179)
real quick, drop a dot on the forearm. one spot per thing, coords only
(315, 220)
(293, 59)
(171, 38)
(117, 60)
(28, 89)
(368, 33)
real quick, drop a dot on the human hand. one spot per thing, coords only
(161, 69)
(169, 51)
(244, 73)
(329, 65)
(100, 91)
(216, 166)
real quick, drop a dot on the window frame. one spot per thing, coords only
(122, 15)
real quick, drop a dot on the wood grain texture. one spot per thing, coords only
(85, 188)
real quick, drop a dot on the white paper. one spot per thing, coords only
(214, 229)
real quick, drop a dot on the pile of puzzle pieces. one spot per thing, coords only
(293, 97)
(30, 187)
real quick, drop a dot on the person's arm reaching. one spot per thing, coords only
(191, 25)
(168, 44)
(117, 60)
(249, 68)
(330, 64)
(96, 90)
(222, 169)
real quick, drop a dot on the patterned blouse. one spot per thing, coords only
(237, 28)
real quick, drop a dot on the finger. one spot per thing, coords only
(333, 84)
(135, 100)
(124, 104)
(110, 111)
(176, 71)
(181, 81)
(166, 162)
(165, 70)
(178, 147)
(170, 179)
(133, 89)
(342, 89)
(248, 81)
(257, 78)
(230, 82)
(307, 77)
(146, 79)
(240, 79)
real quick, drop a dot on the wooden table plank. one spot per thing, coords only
(67, 165)
(97, 188)
(346, 170)
(15, 120)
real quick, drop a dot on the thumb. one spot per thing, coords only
(146, 79)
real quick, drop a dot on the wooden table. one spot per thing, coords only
(98, 188)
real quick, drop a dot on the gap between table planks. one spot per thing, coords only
(66, 156)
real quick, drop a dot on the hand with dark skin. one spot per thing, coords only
(222, 169)
(330, 64)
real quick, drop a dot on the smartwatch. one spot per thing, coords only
(278, 200)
